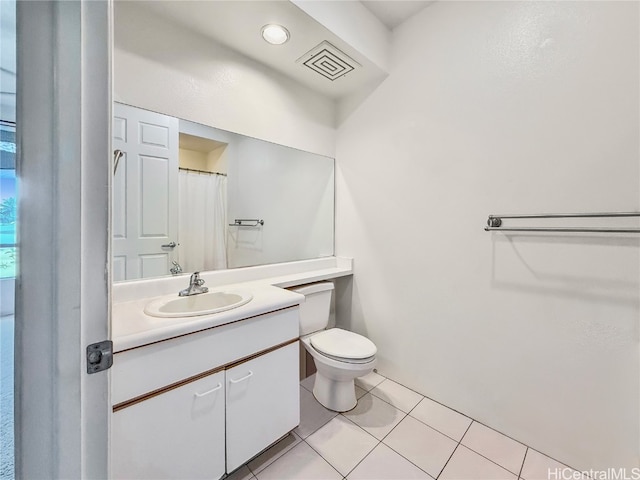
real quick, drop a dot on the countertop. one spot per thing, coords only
(132, 328)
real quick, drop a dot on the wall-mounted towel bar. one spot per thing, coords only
(241, 222)
(494, 223)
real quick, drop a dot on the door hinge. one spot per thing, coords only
(99, 356)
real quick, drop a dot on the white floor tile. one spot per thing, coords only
(443, 419)
(342, 443)
(385, 464)
(495, 446)
(242, 473)
(360, 392)
(369, 381)
(312, 414)
(269, 456)
(397, 395)
(308, 382)
(422, 445)
(468, 465)
(374, 415)
(537, 467)
(301, 462)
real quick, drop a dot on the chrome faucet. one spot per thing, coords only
(195, 286)
(176, 269)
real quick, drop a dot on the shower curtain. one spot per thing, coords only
(202, 221)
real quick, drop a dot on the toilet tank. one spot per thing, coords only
(314, 312)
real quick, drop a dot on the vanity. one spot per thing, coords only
(199, 396)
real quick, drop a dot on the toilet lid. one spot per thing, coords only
(339, 343)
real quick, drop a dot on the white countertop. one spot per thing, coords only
(131, 327)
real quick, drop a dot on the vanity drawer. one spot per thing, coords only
(145, 369)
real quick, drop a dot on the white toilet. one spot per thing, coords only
(340, 356)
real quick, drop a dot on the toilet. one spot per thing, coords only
(340, 356)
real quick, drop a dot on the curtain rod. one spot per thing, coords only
(201, 171)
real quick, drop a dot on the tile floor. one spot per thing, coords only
(393, 433)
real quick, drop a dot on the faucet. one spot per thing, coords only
(176, 269)
(195, 286)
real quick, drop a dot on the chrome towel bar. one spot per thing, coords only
(239, 222)
(494, 223)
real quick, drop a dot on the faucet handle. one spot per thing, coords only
(176, 269)
(196, 280)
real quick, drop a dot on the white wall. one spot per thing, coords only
(496, 107)
(162, 67)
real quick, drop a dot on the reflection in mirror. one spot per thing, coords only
(189, 197)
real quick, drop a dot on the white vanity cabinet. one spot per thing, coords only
(204, 403)
(177, 434)
(262, 403)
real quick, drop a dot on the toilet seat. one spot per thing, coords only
(343, 346)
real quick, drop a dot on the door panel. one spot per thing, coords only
(155, 178)
(177, 434)
(145, 186)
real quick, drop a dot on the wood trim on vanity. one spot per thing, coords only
(173, 386)
(262, 352)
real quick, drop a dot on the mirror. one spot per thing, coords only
(210, 199)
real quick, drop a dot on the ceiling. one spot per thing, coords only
(394, 12)
(237, 25)
(199, 144)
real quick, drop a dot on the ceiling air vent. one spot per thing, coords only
(328, 61)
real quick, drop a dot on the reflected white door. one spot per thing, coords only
(145, 193)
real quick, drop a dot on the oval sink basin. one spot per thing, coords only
(196, 305)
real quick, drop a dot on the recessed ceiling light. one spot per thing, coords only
(275, 34)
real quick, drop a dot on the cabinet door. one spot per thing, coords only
(177, 434)
(263, 403)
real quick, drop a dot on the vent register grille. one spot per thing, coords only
(328, 61)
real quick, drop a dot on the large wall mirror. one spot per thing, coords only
(193, 197)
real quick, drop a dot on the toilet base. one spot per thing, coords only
(336, 395)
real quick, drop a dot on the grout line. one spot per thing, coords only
(371, 392)
(320, 455)
(269, 448)
(385, 436)
(378, 444)
(394, 450)
(389, 403)
(523, 460)
(408, 388)
(434, 428)
(487, 458)
(401, 455)
(448, 460)
(454, 451)
(556, 460)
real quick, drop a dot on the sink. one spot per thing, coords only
(196, 305)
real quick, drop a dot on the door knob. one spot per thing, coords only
(170, 245)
